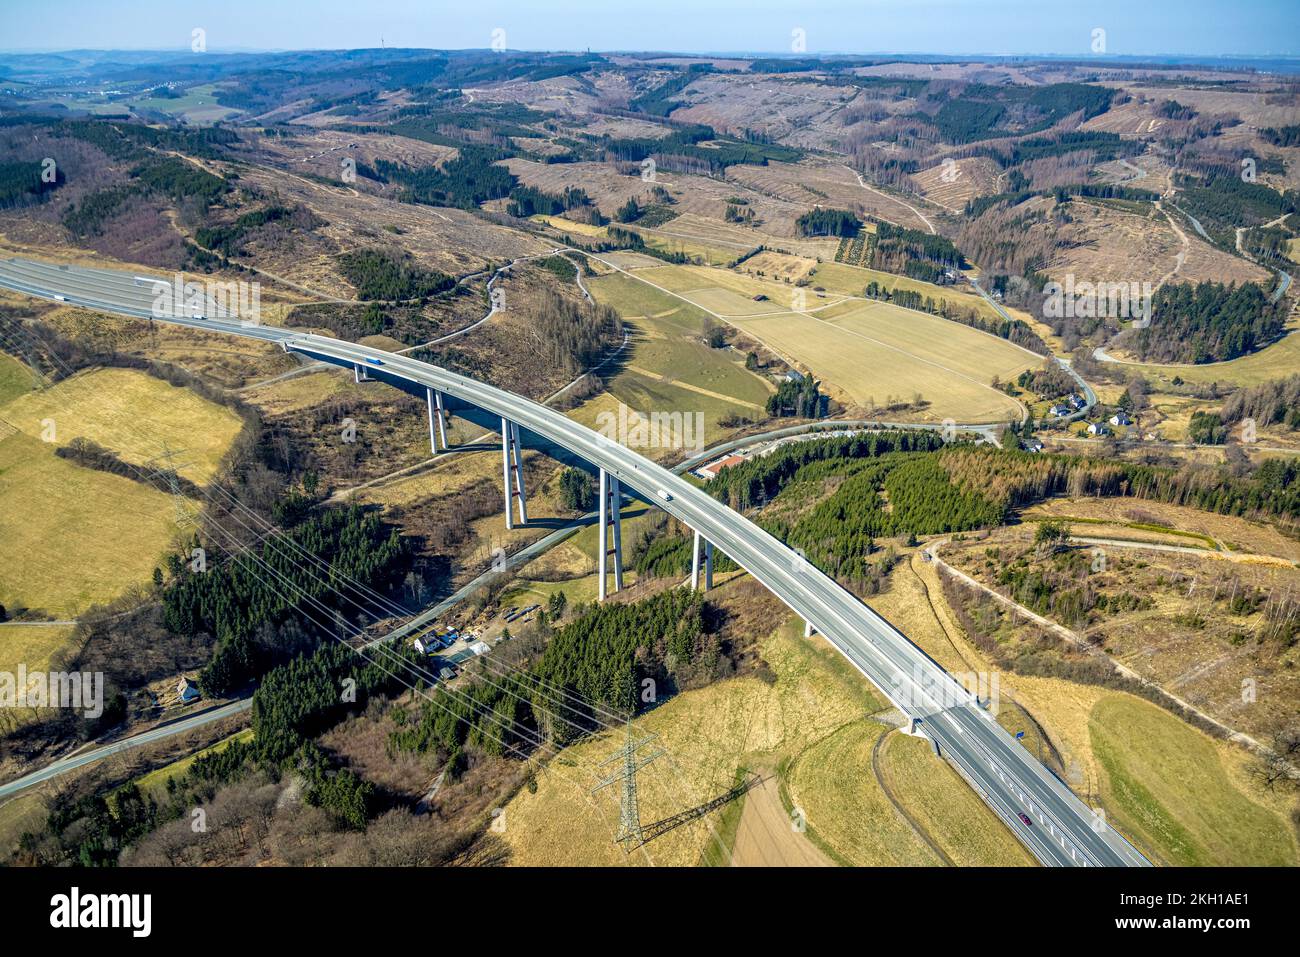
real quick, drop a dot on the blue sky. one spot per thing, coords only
(1208, 27)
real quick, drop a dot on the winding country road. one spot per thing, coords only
(1052, 822)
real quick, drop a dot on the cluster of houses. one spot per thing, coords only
(1073, 403)
(431, 642)
(1101, 428)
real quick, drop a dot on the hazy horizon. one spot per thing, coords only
(945, 28)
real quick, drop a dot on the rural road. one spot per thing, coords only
(1063, 830)
(1089, 396)
(74, 761)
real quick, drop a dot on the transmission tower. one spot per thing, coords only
(39, 379)
(167, 473)
(630, 834)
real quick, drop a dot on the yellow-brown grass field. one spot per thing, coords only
(866, 352)
(1276, 361)
(32, 645)
(133, 414)
(709, 733)
(873, 357)
(73, 537)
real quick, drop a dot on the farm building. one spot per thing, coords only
(428, 644)
(712, 469)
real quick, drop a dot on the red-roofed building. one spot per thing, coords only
(717, 465)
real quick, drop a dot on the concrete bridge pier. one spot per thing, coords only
(436, 415)
(611, 516)
(517, 455)
(512, 471)
(695, 563)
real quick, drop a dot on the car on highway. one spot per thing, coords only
(1024, 819)
(374, 362)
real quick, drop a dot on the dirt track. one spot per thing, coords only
(765, 837)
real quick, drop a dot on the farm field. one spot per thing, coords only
(133, 414)
(709, 733)
(562, 225)
(956, 348)
(1275, 361)
(668, 368)
(1169, 787)
(870, 352)
(34, 646)
(869, 372)
(776, 265)
(73, 537)
(849, 280)
(197, 105)
(709, 253)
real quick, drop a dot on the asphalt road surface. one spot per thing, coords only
(1063, 831)
(74, 761)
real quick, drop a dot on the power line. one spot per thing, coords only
(629, 833)
(332, 577)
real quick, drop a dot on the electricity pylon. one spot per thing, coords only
(167, 473)
(630, 834)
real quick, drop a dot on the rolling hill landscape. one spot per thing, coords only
(913, 377)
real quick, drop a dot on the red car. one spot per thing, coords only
(1024, 819)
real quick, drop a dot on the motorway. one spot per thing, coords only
(1064, 830)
